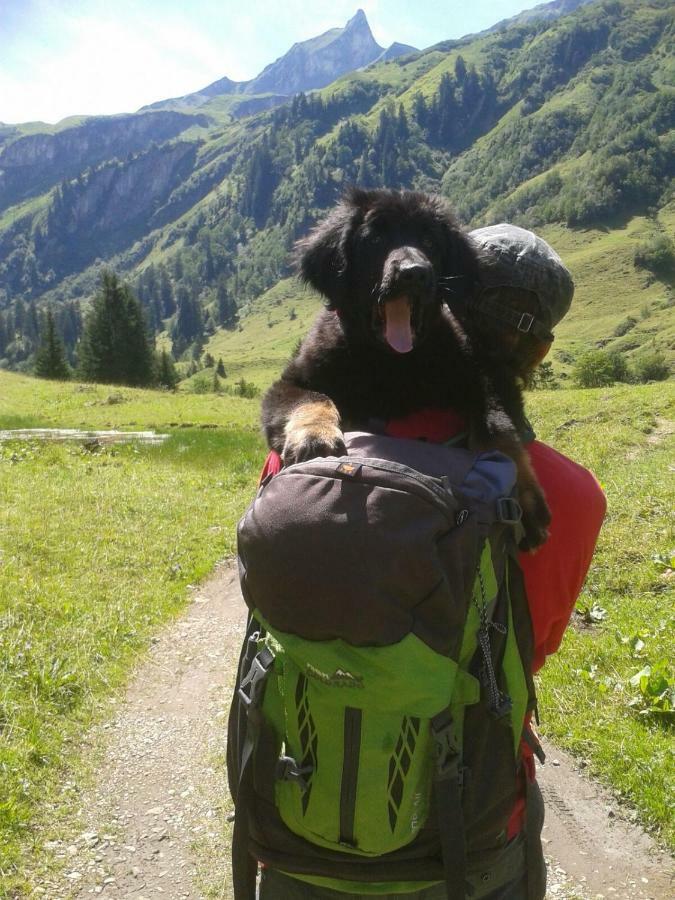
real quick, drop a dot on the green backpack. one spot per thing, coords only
(374, 734)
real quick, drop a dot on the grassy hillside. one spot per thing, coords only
(268, 332)
(98, 549)
(542, 123)
(610, 290)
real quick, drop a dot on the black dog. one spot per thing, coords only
(387, 344)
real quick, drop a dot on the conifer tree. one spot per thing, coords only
(227, 308)
(50, 359)
(167, 376)
(166, 293)
(220, 368)
(188, 325)
(115, 345)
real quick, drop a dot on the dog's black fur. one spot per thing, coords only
(383, 259)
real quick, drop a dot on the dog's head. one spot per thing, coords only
(386, 261)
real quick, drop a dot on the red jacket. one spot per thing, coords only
(555, 573)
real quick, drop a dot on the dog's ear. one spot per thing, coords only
(460, 258)
(322, 257)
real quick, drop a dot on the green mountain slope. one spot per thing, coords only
(566, 126)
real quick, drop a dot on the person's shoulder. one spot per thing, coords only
(561, 473)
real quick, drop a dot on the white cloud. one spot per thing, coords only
(68, 57)
(93, 57)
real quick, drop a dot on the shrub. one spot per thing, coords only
(625, 326)
(243, 388)
(599, 368)
(651, 367)
(656, 255)
(543, 378)
(202, 383)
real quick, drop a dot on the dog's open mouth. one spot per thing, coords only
(396, 315)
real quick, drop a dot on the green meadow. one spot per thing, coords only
(97, 550)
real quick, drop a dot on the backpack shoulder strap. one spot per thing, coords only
(250, 693)
(447, 788)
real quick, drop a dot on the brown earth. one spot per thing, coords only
(154, 824)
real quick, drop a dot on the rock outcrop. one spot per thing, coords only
(35, 162)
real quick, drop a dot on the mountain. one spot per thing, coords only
(563, 125)
(544, 12)
(315, 63)
(307, 66)
(395, 50)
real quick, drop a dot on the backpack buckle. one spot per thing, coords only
(509, 511)
(288, 770)
(447, 747)
(525, 323)
(250, 689)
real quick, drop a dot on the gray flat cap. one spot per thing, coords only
(514, 257)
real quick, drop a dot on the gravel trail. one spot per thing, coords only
(154, 823)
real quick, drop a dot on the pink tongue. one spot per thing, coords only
(397, 328)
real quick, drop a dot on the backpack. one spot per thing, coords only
(384, 680)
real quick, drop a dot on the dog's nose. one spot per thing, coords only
(414, 274)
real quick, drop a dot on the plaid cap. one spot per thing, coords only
(510, 256)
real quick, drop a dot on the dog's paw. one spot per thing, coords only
(536, 516)
(309, 445)
(313, 430)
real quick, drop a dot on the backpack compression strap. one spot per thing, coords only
(251, 692)
(448, 780)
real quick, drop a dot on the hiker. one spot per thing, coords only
(526, 291)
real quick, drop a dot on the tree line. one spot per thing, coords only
(116, 346)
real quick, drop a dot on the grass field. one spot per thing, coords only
(625, 619)
(97, 549)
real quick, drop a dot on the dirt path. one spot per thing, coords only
(154, 823)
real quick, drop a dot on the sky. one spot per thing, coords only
(99, 57)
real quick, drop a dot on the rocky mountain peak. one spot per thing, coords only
(358, 20)
(314, 63)
(308, 65)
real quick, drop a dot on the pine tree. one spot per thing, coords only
(220, 368)
(365, 175)
(188, 325)
(460, 70)
(420, 110)
(167, 376)
(115, 345)
(448, 112)
(166, 293)
(227, 308)
(50, 359)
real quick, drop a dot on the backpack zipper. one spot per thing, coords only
(350, 774)
(436, 486)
